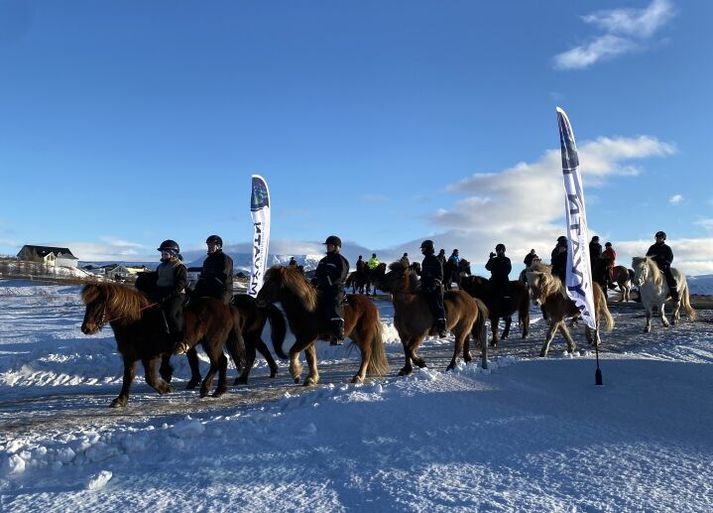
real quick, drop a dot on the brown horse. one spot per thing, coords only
(624, 278)
(516, 299)
(299, 301)
(139, 330)
(465, 315)
(254, 322)
(548, 292)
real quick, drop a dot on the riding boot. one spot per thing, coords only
(337, 338)
(441, 328)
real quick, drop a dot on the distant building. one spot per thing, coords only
(48, 255)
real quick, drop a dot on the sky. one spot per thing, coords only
(126, 123)
(528, 434)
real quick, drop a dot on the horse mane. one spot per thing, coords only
(121, 301)
(656, 274)
(539, 267)
(293, 280)
(412, 279)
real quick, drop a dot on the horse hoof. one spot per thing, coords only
(543, 354)
(219, 392)
(357, 379)
(297, 381)
(273, 372)
(119, 402)
(203, 393)
(182, 348)
(240, 381)
(405, 371)
(192, 384)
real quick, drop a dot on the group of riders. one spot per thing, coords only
(216, 277)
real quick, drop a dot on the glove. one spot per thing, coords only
(492, 254)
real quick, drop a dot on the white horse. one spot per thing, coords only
(654, 291)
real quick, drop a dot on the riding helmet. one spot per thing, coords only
(661, 234)
(561, 238)
(427, 244)
(214, 239)
(169, 245)
(499, 247)
(607, 245)
(333, 239)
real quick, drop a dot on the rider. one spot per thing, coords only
(329, 279)
(499, 266)
(404, 260)
(609, 256)
(661, 253)
(559, 258)
(171, 280)
(442, 256)
(292, 262)
(529, 258)
(432, 284)
(373, 262)
(360, 265)
(216, 279)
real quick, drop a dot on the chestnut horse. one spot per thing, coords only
(299, 301)
(548, 292)
(139, 330)
(465, 316)
(624, 278)
(516, 299)
(654, 291)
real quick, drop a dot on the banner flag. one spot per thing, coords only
(260, 213)
(579, 272)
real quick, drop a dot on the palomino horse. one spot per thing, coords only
(300, 303)
(623, 277)
(413, 320)
(654, 291)
(515, 299)
(548, 292)
(139, 330)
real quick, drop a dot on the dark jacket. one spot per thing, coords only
(172, 279)
(431, 271)
(595, 250)
(331, 272)
(662, 255)
(499, 267)
(216, 278)
(559, 262)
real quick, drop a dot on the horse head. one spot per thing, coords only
(542, 285)
(280, 281)
(645, 270)
(95, 316)
(107, 302)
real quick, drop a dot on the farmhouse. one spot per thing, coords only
(48, 255)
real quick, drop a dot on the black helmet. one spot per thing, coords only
(169, 245)
(427, 244)
(595, 238)
(499, 247)
(607, 245)
(661, 234)
(561, 238)
(214, 239)
(333, 239)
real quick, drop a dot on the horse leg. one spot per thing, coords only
(676, 313)
(195, 380)
(407, 368)
(466, 350)
(265, 352)
(415, 357)
(222, 375)
(647, 326)
(508, 322)
(152, 379)
(494, 322)
(364, 344)
(166, 370)
(571, 346)
(662, 311)
(548, 338)
(459, 341)
(129, 372)
(242, 379)
(311, 357)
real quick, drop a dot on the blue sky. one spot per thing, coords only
(126, 123)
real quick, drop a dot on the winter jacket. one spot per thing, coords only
(216, 279)
(499, 267)
(431, 272)
(331, 272)
(662, 255)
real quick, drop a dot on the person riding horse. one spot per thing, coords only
(499, 266)
(559, 258)
(662, 254)
(609, 257)
(329, 279)
(432, 285)
(171, 281)
(216, 279)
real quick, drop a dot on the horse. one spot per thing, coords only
(358, 280)
(372, 275)
(300, 303)
(139, 330)
(254, 322)
(547, 291)
(654, 291)
(465, 316)
(624, 278)
(516, 299)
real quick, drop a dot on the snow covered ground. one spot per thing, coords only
(527, 435)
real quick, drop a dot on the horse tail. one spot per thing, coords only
(479, 332)
(604, 310)
(235, 342)
(278, 329)
(378, 364)
(686, 301)
(523, 314)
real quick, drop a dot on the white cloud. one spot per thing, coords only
(706, 223)
(522, 206)
(676, 199)
(639, 23)
(626, 31)
(109, 248)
